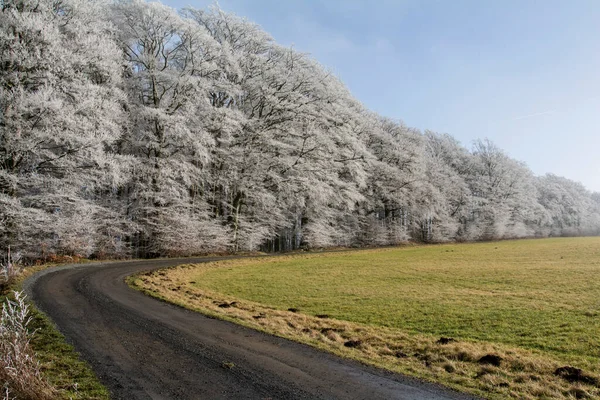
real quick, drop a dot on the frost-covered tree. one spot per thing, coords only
(570, 209)
(503, 203)
(283, 142)
(60, 112)
(170, 68)
(396, 176)
(447, 193)
(128, 128)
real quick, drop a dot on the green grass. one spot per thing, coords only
(61, 364)
(535, 294)
(533, 303)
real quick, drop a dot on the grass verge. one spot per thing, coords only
(499, 320)
(60, 364)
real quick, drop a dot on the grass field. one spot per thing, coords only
(535, 303)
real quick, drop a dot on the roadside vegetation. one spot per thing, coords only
(20, 370)
(504, 319)
(36, 363)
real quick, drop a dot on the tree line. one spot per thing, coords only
(130, 129)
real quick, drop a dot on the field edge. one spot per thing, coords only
(458, 365)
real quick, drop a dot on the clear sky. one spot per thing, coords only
(523, 73)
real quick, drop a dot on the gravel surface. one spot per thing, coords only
(142, 348)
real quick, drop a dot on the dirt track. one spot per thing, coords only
(142, 348)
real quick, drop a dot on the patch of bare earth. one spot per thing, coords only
(486, 369)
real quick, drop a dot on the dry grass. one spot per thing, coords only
(39, 365)
(19, 369)
(10, 269)
(523, 373)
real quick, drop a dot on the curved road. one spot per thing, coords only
(142, 348)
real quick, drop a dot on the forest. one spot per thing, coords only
(130, 129)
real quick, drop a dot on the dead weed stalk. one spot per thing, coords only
(19, 368)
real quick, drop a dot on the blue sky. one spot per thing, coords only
(523, 73)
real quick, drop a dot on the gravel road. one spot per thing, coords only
(142, 348)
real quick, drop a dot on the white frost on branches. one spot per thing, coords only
(131, 129)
